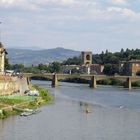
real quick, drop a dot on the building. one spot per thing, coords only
(86, 58)
(96, 69)
(70, 69)
(134, 67)
(86, 66)
(130, 67)
(2, 58)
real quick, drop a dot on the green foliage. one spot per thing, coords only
(54, 67)
(136, 84)
(17, 67)
(114, 58)
(7, 65)
(116, 82)
(111, 69)
(43, 67)
(10, 101)
(76, 80)
(104, 82)
(43, 93)
(72, 61)
(110, 82)
(4, 114)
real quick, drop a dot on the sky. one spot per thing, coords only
(83, 25)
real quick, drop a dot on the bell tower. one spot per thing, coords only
(86, 58)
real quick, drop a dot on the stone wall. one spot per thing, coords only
(10, 85)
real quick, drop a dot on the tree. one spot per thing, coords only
(7, 65)
(18, 67)
(54, 67)
(72, 61)
(42, 67)
(111, 69)
(122, 51)
(97, 59)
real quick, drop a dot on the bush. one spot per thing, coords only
(43, 93)
(104, 82)
(136, 84)
(116, 82)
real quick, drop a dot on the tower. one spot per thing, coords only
(2, 58)
(86, 58)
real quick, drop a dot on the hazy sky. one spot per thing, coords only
(75, 24)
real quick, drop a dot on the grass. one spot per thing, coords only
(18, 97)
(24, 101)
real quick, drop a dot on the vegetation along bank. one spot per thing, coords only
(9, 104)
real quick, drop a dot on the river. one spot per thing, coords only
(114, 114)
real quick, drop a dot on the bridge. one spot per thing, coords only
(92, 78)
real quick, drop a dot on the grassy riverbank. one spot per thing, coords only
(9, 103)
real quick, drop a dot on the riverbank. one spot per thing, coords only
(9, 103)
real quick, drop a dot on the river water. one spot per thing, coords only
(114, 114)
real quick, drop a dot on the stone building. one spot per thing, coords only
(2, 58)
(86, 58)
(96, 69)
(130, 67)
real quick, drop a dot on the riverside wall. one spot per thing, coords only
(10, 85)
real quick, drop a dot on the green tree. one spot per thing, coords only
(111, 69)
(18, 67)
(54, 67)
(7, 65)
(43, 67)
(72, 61)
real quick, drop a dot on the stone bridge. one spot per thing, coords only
(93, 78)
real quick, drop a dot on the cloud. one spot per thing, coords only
(120, 2)
(10, 2)
(47, 3)
(123, 12)
(51, 22)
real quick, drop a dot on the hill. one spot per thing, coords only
(29, 57)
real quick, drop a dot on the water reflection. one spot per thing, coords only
(87, 108)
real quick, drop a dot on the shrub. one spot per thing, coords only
(136, 84)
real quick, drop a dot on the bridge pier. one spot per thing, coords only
(28, 80)
(93, 83)
(54, 81)
(128, 83)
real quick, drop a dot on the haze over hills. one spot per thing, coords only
(35, 57)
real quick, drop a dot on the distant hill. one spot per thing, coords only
(29, 57)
